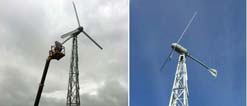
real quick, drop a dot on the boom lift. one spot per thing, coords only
(57, 52)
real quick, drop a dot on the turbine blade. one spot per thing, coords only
(67, 40)
(92, 40)
(69, 33)
(166, 60)
(187, 26)
(78, 21)
(212, 71)
(171, 54)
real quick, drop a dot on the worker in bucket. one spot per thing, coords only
(58, 46)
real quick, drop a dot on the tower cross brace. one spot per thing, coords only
(73, 94)
(180, 93)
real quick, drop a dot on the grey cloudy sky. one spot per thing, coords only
(29, 27)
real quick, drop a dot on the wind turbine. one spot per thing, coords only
(78, 30)
(73, 95)
(179, 95)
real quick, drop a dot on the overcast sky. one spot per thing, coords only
(29, 27)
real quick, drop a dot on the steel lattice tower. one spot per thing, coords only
(179, 95)
(73, 95)
(180, 92)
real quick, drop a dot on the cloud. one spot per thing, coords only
(112, 93)
(28, 28)
(15, 88)
(109, 93)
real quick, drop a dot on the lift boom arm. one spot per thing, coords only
(41, 85)
(56, 52)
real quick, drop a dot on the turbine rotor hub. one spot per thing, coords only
(80, 28)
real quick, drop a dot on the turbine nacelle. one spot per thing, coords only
(80, 28)
(181, 50)
(77, 31)
(178, 48)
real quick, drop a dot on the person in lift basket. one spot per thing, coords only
(58, 46)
